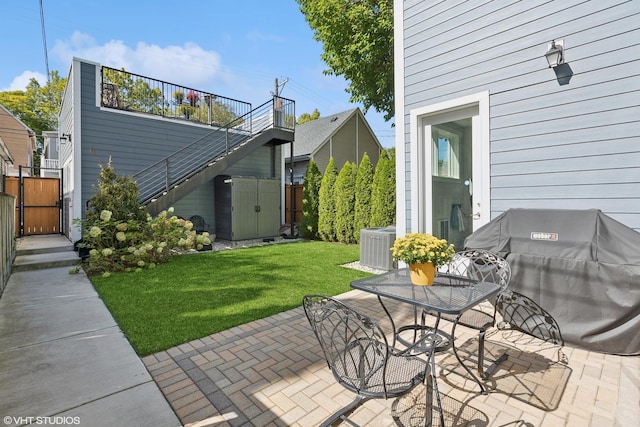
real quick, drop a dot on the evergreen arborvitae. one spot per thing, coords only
(345, 195)
(310, 200)
(390, 193)
(362, 211)
(327, 203)
(383, 192)
(118, 194)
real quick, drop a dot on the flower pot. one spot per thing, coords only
(422, 274)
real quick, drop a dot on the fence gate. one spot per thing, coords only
(38, 206)
(297, 209)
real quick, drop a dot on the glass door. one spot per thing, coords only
(452, 183)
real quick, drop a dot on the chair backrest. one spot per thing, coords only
(198, 223)
(525, 315)
(481, 265)
(354, 346)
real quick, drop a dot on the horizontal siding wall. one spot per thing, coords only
(573, 146)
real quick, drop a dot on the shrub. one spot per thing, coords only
(133, 245)
(345, 196)
(327, 204)
(383, 192)
(119, 195)
(310, 200)
(362, 210)
(122, 236)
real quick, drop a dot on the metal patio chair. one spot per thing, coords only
(521, 313)
(483, 266)
(199, 226)
(361, 359)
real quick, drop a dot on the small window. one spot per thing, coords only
(446, 146)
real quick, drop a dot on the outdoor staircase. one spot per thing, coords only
(170, 179)
(46, 251)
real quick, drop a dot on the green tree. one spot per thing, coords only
(135, 94)
(345, 195)
(306, 117)
(327, 203)
(362, 210)
(383, 192)
(357, 38)
(117, 194)
(310, 202)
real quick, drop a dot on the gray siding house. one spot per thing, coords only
(484, 124)
(345, 136)
(173, 159)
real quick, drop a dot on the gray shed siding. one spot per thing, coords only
(573, 146)
(134, 141)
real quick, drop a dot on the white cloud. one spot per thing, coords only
(20, 82)
(188, 64)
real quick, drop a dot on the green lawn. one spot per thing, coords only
(196, 295)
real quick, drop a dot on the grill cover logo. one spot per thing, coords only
(540, 235)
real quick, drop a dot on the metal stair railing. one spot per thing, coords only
(160, 177)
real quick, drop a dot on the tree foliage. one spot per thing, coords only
(310, 201)
(117, 194)
(345, 195)
(362, 210)
(327, 203)
(306, 117)
(383, 192)
(357, 38)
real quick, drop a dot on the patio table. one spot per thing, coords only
(449, 294)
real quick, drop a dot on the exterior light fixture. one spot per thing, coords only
(555, 54)
(65, 137)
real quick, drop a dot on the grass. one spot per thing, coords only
(196, 295)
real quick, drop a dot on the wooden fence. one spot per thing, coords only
(297, 210)
(40, 207)
(7, 239)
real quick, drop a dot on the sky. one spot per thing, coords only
(235, 49)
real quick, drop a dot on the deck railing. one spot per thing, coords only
(48, 163)
(127, 91)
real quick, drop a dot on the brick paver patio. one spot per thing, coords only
(270, 373)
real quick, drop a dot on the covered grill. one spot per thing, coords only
(582, 266)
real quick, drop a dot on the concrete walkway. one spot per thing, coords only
(62, 353)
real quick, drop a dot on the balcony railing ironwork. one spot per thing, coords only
(169, 172)
(127, 91)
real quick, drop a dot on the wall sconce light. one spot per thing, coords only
(555, 54)
(65, 137)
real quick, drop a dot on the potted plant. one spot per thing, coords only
(193, 98)
(178, 96)
(423, 253)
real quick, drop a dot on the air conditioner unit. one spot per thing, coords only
(375, 247)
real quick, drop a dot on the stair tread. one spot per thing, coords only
(48, 260)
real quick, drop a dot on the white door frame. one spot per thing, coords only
(421, 164)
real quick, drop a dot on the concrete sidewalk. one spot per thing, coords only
(63, 355)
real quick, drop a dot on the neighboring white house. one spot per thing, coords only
(49, 163)
(485, 124)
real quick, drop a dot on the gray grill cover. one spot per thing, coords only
(582, 266)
